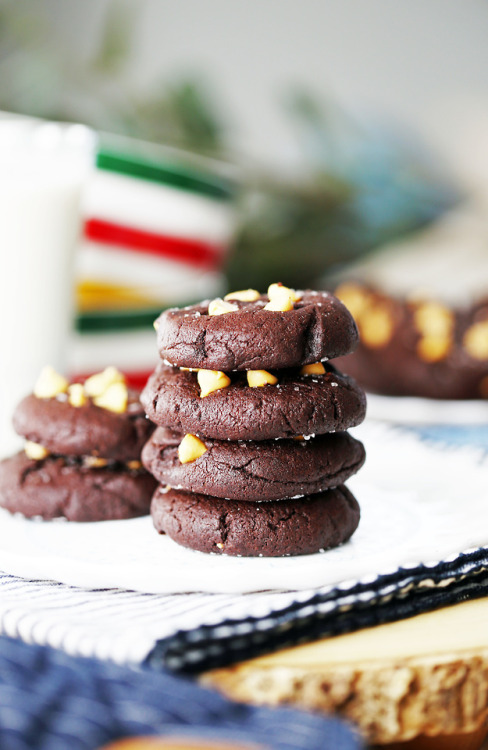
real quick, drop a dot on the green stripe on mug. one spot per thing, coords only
(176, 175)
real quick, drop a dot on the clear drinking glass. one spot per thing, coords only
(43, 166)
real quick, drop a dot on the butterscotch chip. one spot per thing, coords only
(50, 383)
(95, 462)
(212, 380)
(354, 297)
(260, 378)
(433, 320)
(279, 290)
(280, 304)
(76, 395)
(97, 384)
(376, 327)
(115, 398)
(475, 340)
(316, 368)
(433, 348)
(281, 298)
(190, 449)
(244, 295)
(220, 307)
(35, 451)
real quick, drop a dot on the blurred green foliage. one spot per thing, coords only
(363, 188)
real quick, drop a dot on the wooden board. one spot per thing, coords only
(425, 676)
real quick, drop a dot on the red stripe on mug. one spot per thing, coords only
(190, 251)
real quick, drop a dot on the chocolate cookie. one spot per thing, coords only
(319, 327)
(417, 348)
(266, 470)
(297, 405)
(57, 487)
(285, 527)
(84, 430)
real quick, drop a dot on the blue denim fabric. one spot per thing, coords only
(51, 701)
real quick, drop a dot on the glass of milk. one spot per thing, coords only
(43, 166)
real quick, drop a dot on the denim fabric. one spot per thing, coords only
(51, 701)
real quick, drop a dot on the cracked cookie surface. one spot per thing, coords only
(319, 327)
(297, 405)
(58, 487)
(265, 470)
(271, 529)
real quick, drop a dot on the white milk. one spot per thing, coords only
(42, 168)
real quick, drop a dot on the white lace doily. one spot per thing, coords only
(419, 503)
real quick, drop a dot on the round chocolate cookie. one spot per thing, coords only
(417, 348)
(251, 338)
(57, 487)
(266, 470)
(86, 430)
(297, 405)
(284, 527)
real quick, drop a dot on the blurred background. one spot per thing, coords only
(334, 145)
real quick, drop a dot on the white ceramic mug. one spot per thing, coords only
(42, 169)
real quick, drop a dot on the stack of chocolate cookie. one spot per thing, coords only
(81, 459)
(251, 448)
